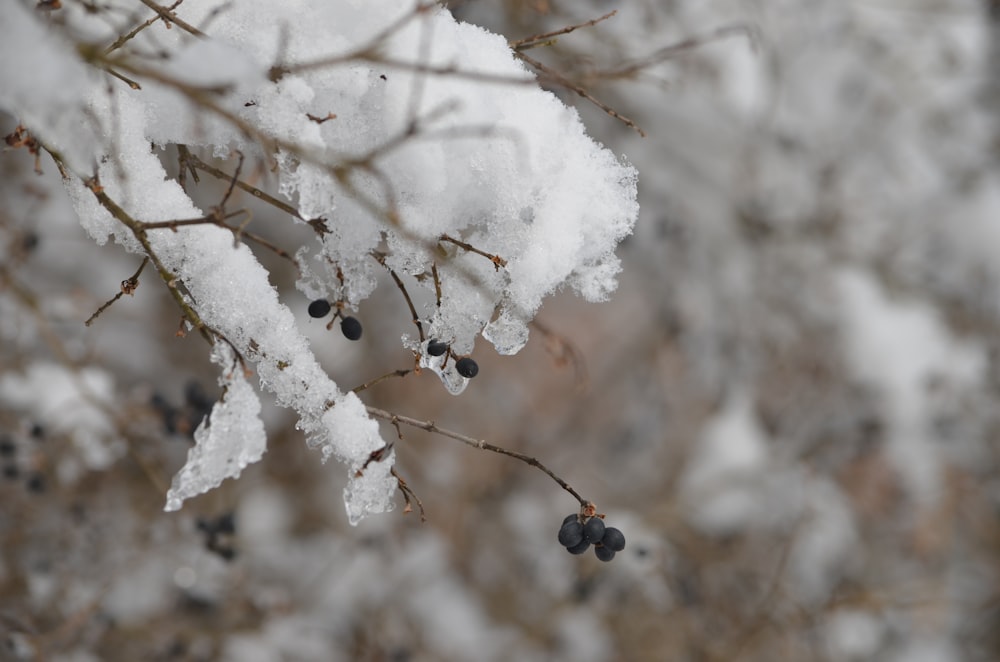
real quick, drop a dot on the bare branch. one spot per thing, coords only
(128, 287)
(547, 37)
(430, 426)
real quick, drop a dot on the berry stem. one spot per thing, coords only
(430, 426)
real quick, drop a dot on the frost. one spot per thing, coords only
(226, 442)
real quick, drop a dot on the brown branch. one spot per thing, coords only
(378, 380)
(408, 494)
(380, 258)
(169, 16)
(232, 182)
(687, 44)
(430, 426)
(194, 163)
(559, 79)
(123, 39)
(139, 232)
(437, 283)
(495, 259)
(563, 351)
(128, 287)
(536, 40)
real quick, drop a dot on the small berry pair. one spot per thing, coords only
(465, 366)
(349, 326)
(578, 533)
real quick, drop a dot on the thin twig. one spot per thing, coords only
(437, 283)
(123, 39)
(495, 259)
(195, 164)
(232, 182)
(139, 232)
(408, 494)
(170, 17)
(128, 287)
(125, 79)
(687, 44)
(535, 40)
(558, 78)
(378, 380)
(380, 258)
(563, 351)
(430, 426)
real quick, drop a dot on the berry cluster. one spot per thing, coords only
(185, 419)
(349, 326)
(579, 532)
(219, 534)
(34, 480)
(465, 366)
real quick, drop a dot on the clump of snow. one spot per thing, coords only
(434, 129)
(226, 442)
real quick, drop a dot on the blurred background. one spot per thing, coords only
(788, 406)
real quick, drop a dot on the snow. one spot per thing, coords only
(805, 332)
(84, 402)
(500, 163)
(725, 472)
(900, 347)
(231, 438)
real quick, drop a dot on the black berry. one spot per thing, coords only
(579, 549)
(593, 530)
(604, 553)
(467, 368)
(226, 523)
(36, 483)
(319, 308)
(570, 518)
(351, 328)
(436, 347)
(7, 447)
(571, 534)
(613, 539)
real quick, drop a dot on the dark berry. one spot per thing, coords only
(319, 308)
(613, 539)
(226, 523)
(351, 328)
(436, 347)
(604, 553)
(570, 518)
(593, 530)
(571, 534)
(467, 368)
(36, 483)
(196, 398)
(7, 447)
(11, 472)
(579, 549)
(228, 553)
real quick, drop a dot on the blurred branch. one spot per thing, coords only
(547, 37)
(561, 80)
(472, 442)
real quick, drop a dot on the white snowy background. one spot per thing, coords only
(788, 404)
